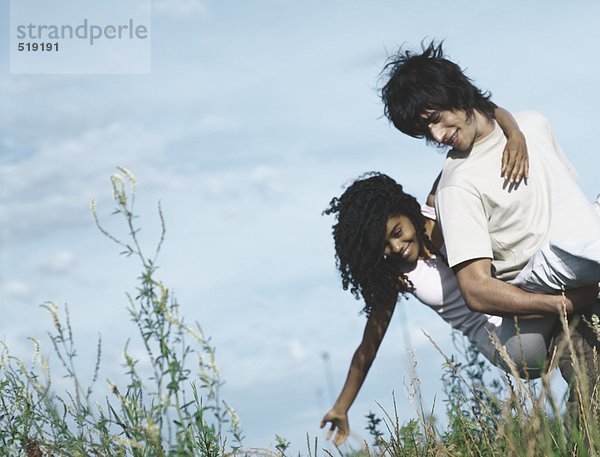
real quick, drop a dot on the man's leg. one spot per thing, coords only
(526, 343)
(578, 358)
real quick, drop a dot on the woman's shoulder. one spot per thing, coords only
(431, 265)
(428, 211)
(430, 277)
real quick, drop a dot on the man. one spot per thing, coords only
(492, 226)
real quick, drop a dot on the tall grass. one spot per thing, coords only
(170, 404)
(505, 416)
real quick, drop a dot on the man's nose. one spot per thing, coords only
(437, 132)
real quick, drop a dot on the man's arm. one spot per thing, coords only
(489, 295)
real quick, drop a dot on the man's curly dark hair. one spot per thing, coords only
(418, 82)
(362, 212)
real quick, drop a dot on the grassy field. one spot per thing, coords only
(171, 403)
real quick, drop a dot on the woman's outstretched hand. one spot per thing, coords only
(515, 160)
(338, 421)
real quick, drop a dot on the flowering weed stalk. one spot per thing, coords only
(169, 404)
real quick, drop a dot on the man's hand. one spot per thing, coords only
(515, 159)
(580, 298)
(338, 421)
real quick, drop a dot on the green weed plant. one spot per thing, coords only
(176, 410)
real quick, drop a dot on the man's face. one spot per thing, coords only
(452, 128)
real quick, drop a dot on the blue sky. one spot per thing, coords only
(254, 115)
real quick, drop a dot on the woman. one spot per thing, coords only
(386, 245)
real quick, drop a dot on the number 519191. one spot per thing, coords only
(37, 46)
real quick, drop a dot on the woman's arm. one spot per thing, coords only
(364, 355)
(515, 161)
(431, 197)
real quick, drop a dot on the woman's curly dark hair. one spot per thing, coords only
(362, 212)
(417, 82)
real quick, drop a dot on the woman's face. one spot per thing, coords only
(401, 240)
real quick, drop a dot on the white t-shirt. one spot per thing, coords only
(482, 218)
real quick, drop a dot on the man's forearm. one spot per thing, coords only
(485, 294)
(492, 296)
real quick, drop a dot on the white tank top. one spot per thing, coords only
(435, 285)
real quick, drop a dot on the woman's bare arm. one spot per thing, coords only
(364, 355)
(515, 160)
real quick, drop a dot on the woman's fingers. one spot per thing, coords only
(520, 171)
(330, 432)
(515, 166)
(515, 159)
(340, 437)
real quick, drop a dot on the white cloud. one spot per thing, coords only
(236, 187)
(16, 290)
(51, 189)
(210, 124)
(180, 9)
(59, 263)
(297, 350)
